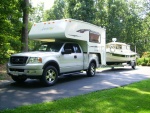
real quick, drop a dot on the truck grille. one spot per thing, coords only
(18, 60)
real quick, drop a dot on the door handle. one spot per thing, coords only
(75, 56)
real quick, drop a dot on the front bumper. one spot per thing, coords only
(25, 70)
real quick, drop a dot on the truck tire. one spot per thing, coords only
(91, 70)
(134, 65)
(50, 76)
(19, 79)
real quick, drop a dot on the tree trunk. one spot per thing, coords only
(24, 34)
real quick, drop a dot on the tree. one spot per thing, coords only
(101, 15)
(37, 13)
(56, 12)
(24, 34)
(9, 28)
(81, 10)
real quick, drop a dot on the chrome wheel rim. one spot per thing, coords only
(50, 75)
(92, 69)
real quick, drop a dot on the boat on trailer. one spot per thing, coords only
(119, 53)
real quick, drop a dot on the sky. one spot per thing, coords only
(47, 3)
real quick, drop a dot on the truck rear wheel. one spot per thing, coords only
(50, 76)
(91, 70)
(18, 79)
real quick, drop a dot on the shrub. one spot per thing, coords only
(146, 54)
(144, 60)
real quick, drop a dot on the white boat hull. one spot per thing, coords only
(118, 58)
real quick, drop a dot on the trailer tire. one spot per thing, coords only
(134, 65)
(50, 76)
(91, 70)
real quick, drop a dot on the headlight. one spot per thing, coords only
(35, 60)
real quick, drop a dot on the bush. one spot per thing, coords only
(5, 53)
(144, 60)
(146, 54)
(148, 64)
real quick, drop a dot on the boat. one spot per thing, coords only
(118, 52)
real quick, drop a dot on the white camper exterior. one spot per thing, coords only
(91, 38)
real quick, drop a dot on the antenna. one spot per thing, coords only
(114, 39)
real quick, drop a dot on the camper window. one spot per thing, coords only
(94, 37)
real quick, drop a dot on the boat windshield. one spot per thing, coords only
(118, 47)
(128, 47)
(50, 47)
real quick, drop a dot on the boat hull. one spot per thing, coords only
(112, 58)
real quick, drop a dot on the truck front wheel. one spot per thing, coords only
(50, 76)
(91, 70)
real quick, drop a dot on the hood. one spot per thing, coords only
(35, 54)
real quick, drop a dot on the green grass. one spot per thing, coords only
(134, 98)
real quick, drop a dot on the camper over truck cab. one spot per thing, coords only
(68, 46)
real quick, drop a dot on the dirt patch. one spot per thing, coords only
(3, 74)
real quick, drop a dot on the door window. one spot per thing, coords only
(76, 48)
(69, 46)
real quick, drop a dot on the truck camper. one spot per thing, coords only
(68, 46)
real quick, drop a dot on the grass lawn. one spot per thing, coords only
(134, 98)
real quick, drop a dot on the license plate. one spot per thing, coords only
(15, 73)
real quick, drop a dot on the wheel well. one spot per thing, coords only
(52, 63)
(94, 62)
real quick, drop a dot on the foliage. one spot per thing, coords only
(56, 12)
(37, 13)
(126, 20)
(10, 27)
(133, 98)
(144, 60)
(81, 10)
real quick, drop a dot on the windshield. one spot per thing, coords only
(50, 47)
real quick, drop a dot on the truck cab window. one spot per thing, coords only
(50, 47)
(77, 48)
(69, 46)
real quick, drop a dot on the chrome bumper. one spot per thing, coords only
(28, 70)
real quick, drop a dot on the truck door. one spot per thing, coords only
(78, 56)
(71, 62)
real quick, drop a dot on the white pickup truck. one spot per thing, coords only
(69, 46)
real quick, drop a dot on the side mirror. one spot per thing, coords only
(67, 51)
